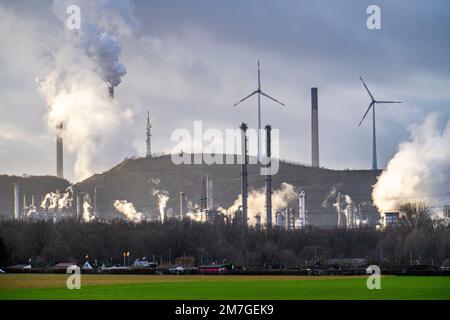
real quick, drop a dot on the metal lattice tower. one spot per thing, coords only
(148, 140)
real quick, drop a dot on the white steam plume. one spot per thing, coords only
(162, 198)
(419, 171)
(330, 196)
(87, 213)
(128, 210)
(76, 86)
(57, 200)
(257, 202)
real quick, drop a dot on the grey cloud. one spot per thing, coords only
(200, 58)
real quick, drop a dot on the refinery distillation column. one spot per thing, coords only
(314, 129)
(182, 201)
(268, 180)
(16, 201)
(244, 173)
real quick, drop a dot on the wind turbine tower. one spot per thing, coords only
(372, 105)
(259, 92)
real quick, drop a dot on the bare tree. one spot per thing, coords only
(415, 215)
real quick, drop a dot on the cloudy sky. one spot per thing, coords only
(191, 60)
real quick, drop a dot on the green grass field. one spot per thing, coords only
(40, 286)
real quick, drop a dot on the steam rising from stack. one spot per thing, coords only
(88, 216)
(76, 87)
(128, 210)
(419, 171)
(162, 198)
(257, 202)
(57, 201)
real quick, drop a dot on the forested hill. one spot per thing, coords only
(135, 180)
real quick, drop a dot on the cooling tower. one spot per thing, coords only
(314, 129)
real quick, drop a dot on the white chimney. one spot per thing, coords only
(16, 201)
(302, 209)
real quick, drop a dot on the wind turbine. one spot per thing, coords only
(259, 92)
(372, 105)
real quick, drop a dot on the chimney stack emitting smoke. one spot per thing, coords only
(59, 151)
(80, 84)
(268, 180)
(244, 173)
(314, 129)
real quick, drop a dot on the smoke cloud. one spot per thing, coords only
(162, 197)
(76, 87)
(128, 210)
(88, 216)
(57, 201)
(419, 171)
(257, 202)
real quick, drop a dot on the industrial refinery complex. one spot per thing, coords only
(290, 211)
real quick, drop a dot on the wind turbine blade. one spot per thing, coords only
(389, 101)
(267, 96)
(370, 94)
(365, 114)
(234, 105)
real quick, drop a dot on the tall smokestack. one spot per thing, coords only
(268, 180)
(111, 91)
(16, 201)
(314, 129)
(244, 173)
(59, 151)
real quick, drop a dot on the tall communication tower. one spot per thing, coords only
(148, 140)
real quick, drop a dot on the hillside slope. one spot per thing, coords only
(135, 180)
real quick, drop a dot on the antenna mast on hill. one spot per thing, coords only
(149, 146)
